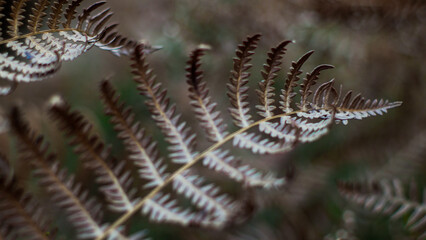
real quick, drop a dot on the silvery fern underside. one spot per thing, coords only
(37, 36)
(300, 116)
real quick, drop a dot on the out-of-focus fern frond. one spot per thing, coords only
(84, 213)
(42, 34)
(19, 211)
(390, 198)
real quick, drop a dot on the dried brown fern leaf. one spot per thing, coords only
(309, 81)
(19, 211)
(38, 12)
(266, 92)
(239, 78)
(314, 118)
(238, 97)
(84, 213)
(389, 197)
(142, 149)
(287, 93)
(143, 154)
(204, 108)
(182, 143)
(39, 40)
(274, 132)
(212, 123)
(114, 177)
(115, 181)
(359, 107)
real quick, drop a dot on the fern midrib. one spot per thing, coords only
(43, 32)
(24, 213)
(188, 165)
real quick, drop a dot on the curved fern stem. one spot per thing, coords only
(178, 172)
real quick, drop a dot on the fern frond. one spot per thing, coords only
(287, 93)
(203, 107)
(177, 134)
(18, 209)
(388, 197)
(238, 94)
(239, 78)
(313, 119)
(142, 149)
(18, 8)
(359, 107)
(161, 209)
(273, 133)
(206, 197)
(222, 161)
(212, 123)
(308, 130)
(266, 92)
(257, 144)
(82, 212)
(96, 156)
(39, 40)
(38, 12)
(309, 81)
(180, 139)
(145, 156)
(56, 13)
(70, 12)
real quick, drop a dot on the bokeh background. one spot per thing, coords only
(377, 46)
